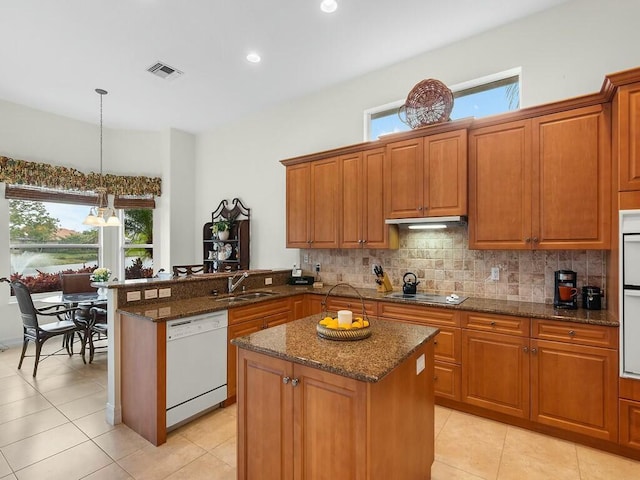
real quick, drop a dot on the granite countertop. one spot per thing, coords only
(367, 360)
(172, 309)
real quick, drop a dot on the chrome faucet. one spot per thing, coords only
(233, 286)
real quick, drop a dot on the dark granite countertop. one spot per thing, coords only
(169, 310)
(368, 360)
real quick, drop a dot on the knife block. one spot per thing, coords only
(385, 286)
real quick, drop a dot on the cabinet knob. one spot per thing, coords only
(572, 333)
(435, 342)
(535, 239)
(285, 380)
(527, 240)
(419, 208)
(534, 350)
(295, 382)
(525, 349)
(493, 324)
(435, 378)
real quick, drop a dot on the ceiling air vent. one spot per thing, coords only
(163, 70)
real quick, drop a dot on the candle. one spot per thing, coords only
(345, 317)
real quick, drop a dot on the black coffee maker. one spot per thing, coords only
(566, 291)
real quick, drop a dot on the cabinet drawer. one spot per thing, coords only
(629, 388)
(580, 333)
(630, 424)
(419, 314)
(354, 304)
(496, 323)
(446, 380)
(258, 310)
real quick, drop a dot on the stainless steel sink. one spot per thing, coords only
(427, 297)
(250, 295)
(243, 297)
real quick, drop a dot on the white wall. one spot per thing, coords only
(563, 52)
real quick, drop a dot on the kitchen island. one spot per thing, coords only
(322, 409)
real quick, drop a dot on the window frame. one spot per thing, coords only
(458, 87)
(123, 246)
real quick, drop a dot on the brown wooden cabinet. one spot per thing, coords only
(447, 344)
(495, 371)
(322, 425)
(427, 177)
(362, 220)
(313, 204)
(250, 319)
(628, 131)
(564, 376)
(564, 354)
(542, 183)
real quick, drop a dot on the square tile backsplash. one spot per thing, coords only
(444, 264)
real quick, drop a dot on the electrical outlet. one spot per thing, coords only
(305, 258)
(153, 293)
(268, 281)
(164, 292)
(495, 274)
(317, 268)
(133, 296)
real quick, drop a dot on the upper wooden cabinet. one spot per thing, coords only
(362, 209)
(628, 131)
(542, 183)
(427, 176)
(312, 204)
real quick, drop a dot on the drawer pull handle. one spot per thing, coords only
(572, 332)
(493, 324)
(295, 382)
(285, 380)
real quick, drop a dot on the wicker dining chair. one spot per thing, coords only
(97, 326)
(39, 333)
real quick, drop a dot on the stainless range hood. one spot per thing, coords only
(428, 222)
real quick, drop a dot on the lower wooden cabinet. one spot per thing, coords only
(314, 305)
(447, 344)
(629, 423)
(250, 319)
(324, 426)
(567, 383)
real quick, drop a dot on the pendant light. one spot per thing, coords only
(102, 215)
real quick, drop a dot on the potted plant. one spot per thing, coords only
(221, 229)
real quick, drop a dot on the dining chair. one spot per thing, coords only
(97, 326)
(76, 283)
(39, 333)
(187, 270)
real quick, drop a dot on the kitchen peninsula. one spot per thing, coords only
(315, 408)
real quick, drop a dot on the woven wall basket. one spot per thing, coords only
(429, 102)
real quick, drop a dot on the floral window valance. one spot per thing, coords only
(21, 172)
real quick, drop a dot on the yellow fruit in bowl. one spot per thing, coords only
(326, 321)
(365, 323)
(356, 324)
(333, 324)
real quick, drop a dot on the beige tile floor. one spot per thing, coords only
(53, 428)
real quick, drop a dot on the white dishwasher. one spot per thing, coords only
(196, 365)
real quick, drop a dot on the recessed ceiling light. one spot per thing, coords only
(253, 57)
(328, 6)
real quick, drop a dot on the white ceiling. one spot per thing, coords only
(55, 53)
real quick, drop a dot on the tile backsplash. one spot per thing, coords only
(444, 264)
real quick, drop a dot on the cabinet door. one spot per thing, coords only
(495, 372)
(279, 318)
(445, 174)
(500, 187)
(351, 234)
(298, 307)
(264, 440)
(403, 177)
(298, 205)
(575, 388)
(325, 202)
(314, 304)
(630, 424)
(628, 135)
(328, 415)
(375, 234)
(239, 330)
(446, 380)
(572, 179)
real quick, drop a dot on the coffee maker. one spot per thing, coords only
(565, 291)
